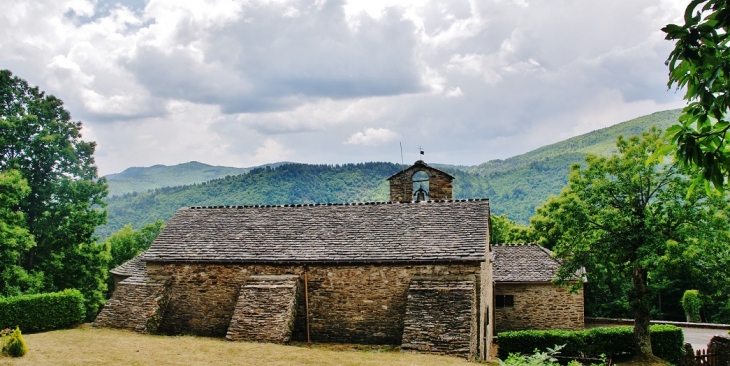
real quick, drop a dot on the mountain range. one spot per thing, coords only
(515, 186)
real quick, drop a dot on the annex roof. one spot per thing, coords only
(134, 267)
(523, 263)
(372, 232)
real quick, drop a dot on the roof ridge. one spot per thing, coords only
(368, 203)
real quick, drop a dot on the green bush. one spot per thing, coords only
(42, 312)
(666, 342)
(14, 344)
(691, 304)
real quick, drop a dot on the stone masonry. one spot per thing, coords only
(265, 310)
(347, 303)
(539, 306)
(440, 186)
(441, 317)
(138, 304)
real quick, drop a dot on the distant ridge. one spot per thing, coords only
(142, 179)
(514, 186)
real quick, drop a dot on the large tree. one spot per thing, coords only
(15, 238)
(64, 205)
(626, 215)
(700, 63)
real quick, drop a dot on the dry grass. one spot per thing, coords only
(90, 346)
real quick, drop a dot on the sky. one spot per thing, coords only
(245, 83)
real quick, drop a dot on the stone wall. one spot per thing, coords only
(137, 304)
(265, 310)
(441, 316)
(347, 303)
(539, 306)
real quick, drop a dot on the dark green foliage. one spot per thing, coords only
(700, 64)
(15, 239)
(14, 344)
(666, 340)
(42, 312)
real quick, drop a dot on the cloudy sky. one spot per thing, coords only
(243, 83)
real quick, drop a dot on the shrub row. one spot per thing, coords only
(34, 313)
(666, 341)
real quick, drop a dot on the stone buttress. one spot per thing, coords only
(265, 310)
(138, 304)
(441, 316)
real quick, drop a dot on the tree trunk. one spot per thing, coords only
(641, 306)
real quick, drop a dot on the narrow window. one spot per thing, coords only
(504, 301)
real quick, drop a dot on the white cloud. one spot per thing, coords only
(269, 151)
(372, 137)
(454, 92)
(249, 82)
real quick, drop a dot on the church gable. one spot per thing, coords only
(421, 182)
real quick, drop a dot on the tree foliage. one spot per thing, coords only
(626, 216)
(127, 243)
(700, 63)
(505, 231)
(691, 303)
(64, 205)
(15, 238)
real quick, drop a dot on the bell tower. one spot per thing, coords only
(421, 182)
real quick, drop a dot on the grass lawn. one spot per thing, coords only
(90, 346)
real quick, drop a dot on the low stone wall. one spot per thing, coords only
(539, 306)
(441, 317)
(138, 304)
(265, 310)
(347, 303)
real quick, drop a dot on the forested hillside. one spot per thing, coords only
(523, 182)
(515, 186)
(138, 179)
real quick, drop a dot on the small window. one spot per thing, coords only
(504, 301)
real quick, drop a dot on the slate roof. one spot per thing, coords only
(134, 267)
(372, 232)
(523, 263)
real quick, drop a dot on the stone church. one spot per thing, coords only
(417, 271)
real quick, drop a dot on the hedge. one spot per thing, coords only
(41, 312)
(666, 341)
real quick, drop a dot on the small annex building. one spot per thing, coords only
(415, 271)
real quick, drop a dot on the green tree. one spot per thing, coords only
(14, 236)
(505, 231)
(700, 63)
(127, 243)
(622, 215)
(64, 206)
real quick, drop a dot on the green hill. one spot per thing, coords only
(523, 182)
(515, 186)
(137, 179)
